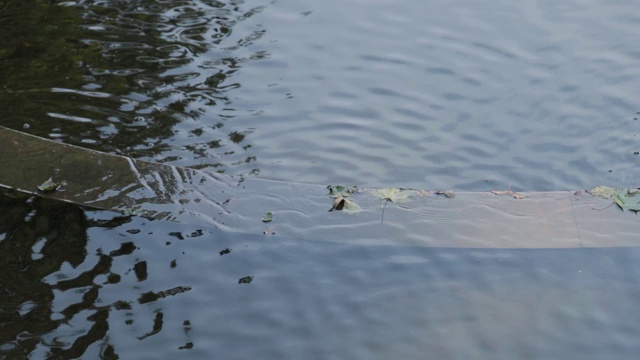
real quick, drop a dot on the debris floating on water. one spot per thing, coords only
(449, 194)
(508, 192)
(50, 186)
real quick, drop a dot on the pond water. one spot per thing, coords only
(462, 95)
(86, 284)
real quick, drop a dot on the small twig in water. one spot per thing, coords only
(604, 208)
(384, 206)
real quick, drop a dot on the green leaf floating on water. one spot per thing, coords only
(130, 211)
(267, 217)
(344, 191)
(342, 203)
(391, 195)
(50, 185)
(628, 199)
(605, 191)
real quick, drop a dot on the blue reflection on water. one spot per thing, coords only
(323, 298)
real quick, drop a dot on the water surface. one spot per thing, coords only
(88, 284)
(461, 95)
(457, 95)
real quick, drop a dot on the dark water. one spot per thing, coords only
(456, 95)
(79, 284)
(460, 95)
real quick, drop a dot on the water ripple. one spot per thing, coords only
(492, 97)
(437, 95)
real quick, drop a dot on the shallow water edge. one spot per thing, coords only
(430, 218)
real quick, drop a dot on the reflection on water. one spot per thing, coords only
(452, 94)
(53, 300)
(86, 284)
(445, 94)
(147, 79)
(39, 239)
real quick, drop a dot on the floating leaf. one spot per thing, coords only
(350, 206)
(450, 194)
(342, 203)
(267, 217)
(340, 196)
(393, 195)
(628, 199)
(508, 192)
(50, 185)
(338, 203)
(605, 191)
(343, 191)
(130, 211)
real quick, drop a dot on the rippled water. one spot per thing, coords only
(457, 94)
(87, 285)
(461, 95)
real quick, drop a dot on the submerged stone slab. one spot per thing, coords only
(300, 211)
